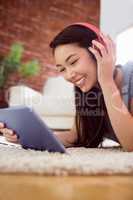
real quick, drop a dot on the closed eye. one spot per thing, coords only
(61, 70)
(74, 62)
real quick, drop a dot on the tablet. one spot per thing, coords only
(32, 132)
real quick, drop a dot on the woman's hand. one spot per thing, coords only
(105, 55)
(9, 135)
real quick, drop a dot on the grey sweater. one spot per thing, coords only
(127, 92)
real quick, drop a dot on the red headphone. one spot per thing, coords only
(93, 28)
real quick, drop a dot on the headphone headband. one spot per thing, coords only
(91, 27)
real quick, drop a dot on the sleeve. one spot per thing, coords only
(131, 85)
(128, 70)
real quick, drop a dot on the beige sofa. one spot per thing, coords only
(55, 106)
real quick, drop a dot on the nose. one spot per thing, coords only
(70, 75)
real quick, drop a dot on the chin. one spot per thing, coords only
(86, 88)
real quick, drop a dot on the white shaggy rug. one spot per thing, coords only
(78, 161)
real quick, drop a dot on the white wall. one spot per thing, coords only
(116, 16)
(124, 43)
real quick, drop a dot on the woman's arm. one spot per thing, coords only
(67, 137)
(121, 119)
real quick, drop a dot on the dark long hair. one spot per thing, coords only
(91, 119)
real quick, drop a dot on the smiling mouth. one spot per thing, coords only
(80, 82)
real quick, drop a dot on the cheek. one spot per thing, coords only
(83, 67)
(87, 65)
(93, 70)
(91, 75)
(89, 69)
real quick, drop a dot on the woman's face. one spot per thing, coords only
(76, 65)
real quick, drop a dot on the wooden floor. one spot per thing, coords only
(26, 187)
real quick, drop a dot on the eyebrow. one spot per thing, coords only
(66, 60)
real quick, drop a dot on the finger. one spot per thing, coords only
(108, 36)
(7, 131)
(113, 44)
(2, 130)
(15, 140)
(113, 47)
(109, 44)
(95, 53)
(1, 125)
(14, 137)
(100, 47)
(10, 137)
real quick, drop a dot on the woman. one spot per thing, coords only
(86, 58)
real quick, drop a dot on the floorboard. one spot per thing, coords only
(31, 187)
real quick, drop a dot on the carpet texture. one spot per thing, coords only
(78, 161)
